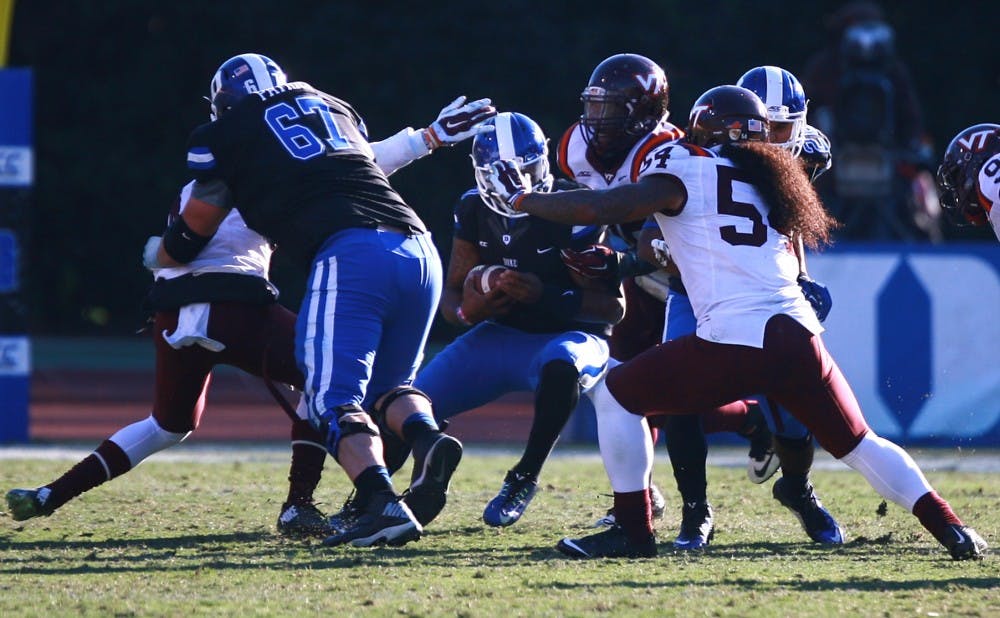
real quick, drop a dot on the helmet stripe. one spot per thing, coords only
(261, 76)
(775, 87)
(505, 136)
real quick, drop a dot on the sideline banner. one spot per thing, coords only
(16, 179)
(916, 331)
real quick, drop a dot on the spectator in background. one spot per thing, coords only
(862, 96)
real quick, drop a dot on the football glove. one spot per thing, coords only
(818, 296)
(459, 121)
(815, 155)
(661, 252)
(594, 262)
(509, 184)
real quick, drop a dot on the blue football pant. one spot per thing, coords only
(370, 299)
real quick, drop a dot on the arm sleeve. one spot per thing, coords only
(398, 151)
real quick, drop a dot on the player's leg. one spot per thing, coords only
(181, 378)
(560, 367)
(351, 290)
(627, 452)
(261, 341)
(642, 327)
(816, 392)
(794, 490)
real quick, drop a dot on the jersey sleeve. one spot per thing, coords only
(678, 159)
(466, 216)
(203, 155)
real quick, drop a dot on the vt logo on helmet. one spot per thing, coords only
(958, 174)
(625, 99)
(239, 76)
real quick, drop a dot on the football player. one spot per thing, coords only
(537, 330)
(968, 179)
(297, 164)
(218, 309)
(624, 118)
(728, 207)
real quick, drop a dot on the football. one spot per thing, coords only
(485, 278)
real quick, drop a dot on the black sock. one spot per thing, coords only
(308, 457)
(688, 452)
(557, 394)
(372, 480)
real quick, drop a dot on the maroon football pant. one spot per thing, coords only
(259, 339)
(793, 368)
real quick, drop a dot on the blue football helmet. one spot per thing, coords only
(239, 76)
(785, 101)
(516, 137)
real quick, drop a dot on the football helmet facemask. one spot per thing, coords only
(239, 76)
(625, 99)
(727, 114)
(518, 138)
(958, 174)
(785, 101)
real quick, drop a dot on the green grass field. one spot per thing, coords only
(176, 538)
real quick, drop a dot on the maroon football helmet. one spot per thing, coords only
(625, 99)
(958, 174)
(727, 114)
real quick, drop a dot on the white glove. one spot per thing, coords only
(459, 121)
(149, 253)
(508, 184)
(661, 251)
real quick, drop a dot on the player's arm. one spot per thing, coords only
(651, 194)
(197, 224)
(458, 121)
(460, 302)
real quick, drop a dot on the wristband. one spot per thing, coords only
(515, 203)
(431, 138)
(461, 316)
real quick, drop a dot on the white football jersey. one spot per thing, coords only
(738, 270)
(989, 191)
(235, 248)
(572, 160)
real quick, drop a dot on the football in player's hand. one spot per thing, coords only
(485, 278)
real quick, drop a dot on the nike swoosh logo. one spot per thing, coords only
(546, 250)
(958, 533)
(451, 126)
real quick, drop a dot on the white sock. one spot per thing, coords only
(142, 439)
(889, 469)
(624, 440)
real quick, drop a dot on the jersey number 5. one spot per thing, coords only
(757, 235)
(308, 131)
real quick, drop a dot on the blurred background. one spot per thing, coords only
(116, 87)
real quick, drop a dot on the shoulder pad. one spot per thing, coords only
(654, 159)
(563, 150)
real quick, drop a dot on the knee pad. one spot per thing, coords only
(350, 419)
(382, 404)
(141, 439)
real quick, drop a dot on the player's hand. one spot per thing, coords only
(477, 306)
(818, 296)
(523, 287)
(149, 259)
(509, 184)
(594, 262)
(815, 155)
(661, 252)
(459, 121)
